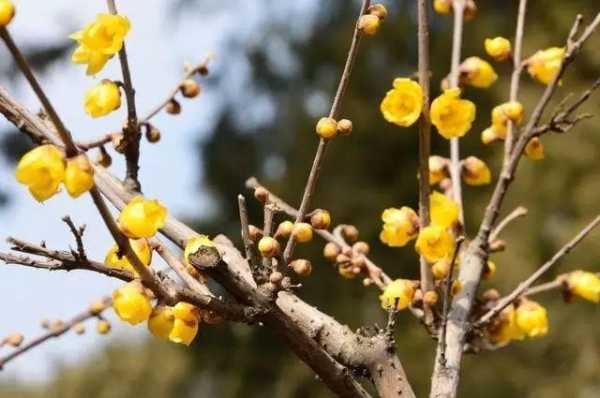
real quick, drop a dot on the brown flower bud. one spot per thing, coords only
(430, 298)
(45, 323)
(342, 259)
(378, 10)
(470, 10)
(203, 70)
(57, 325)
(302, 232)
(173, 107)
(344, 127)
(361, 247)
(255, 233)
(497, 245)
(491, 295)
(97, 307)
(14, 340)
(261, 194)
(350, 233)
(103, 158)
(152, 134)
(321, 219)
(276, 278)
(302, 267)
(358, 262)
(79, 328)
(190, 89)
(331, 251)
(268, 247)
(118, 142)
(346, 272)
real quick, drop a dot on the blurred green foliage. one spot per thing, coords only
(295, 75)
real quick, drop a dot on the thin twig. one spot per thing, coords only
(455, 165)
(513, 215)
(523, 286)
(56, 331)
(245, 225)
(78, 234)
(315, 170)
(131, 130)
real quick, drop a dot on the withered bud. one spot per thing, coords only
(103, 158)
(268, 247)
(152, 134)
(118, 142)
(321, 219)
(350, 233)
(284, 229)
(14, 340)
(361, 247)
(470, 10)
(276, 278)
(302, 267)
(45, 323)
(331, 251)
(430, 298)
(378, 10)
(97, 307)
(261, 194)
(173, 107)
(342, 259)
(491, 295)
(255, 233)
(344, 127)
(203, 70)
(190, 89)
(79, 328)
(497, 245)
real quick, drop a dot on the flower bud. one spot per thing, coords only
(346, 271)
(442, 6)
(497, 245)
(342, 259)
(327, 127)
(440, 269)
(97, 307)
(369, 24)
(475, 171)
(491, 295)
(79, 328)
(302, 232)
(103, 327)
(456, 287)
(268, 247)
(532, 319)
(478, 73)
(350, 233)
(7, 12)
(173, 107)
(498, 48)
(14, 340)
(378, 10)
(261, 194)
(430, 298)
(153, 135)
(161, 321)
(361, 248)
(45, 324)
(367, 282)
(470, 10)
(284, 229)
(118, 142)
(276, 278)
(534, 149)
(203, 70)
(190, 89)
(302, 267)
(490, 270)
(321, 219)
(103, 158)
(331, 251)
(438, 169)
(102, 99)
(255, 233)
(344, 127)
(492, 134)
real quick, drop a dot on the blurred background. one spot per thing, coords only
(276, 68)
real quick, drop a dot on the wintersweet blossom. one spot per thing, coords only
(499, 48)
(142, 250)
(42, 170)
(435, 243)
(478, 73)
(534, 149)
(400, 226)
(476, 172)
(102, 99)
(585, 285)
(444, 211)
(403, 104)
(532, 319)
(452, 115)
(545, 64)
(79, 175)
(142, 218)
(131, 303)
(397, 294)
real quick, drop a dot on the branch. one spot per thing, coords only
(513, 215)
(315, 170)
(131, 130)
(56, 331)
(525, 285)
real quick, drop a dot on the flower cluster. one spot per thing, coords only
(517, 321)
(44, 168)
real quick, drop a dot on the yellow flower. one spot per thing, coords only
(7, 12)
(195, 244)
(532, 319)
(42, 169)
(99, 41)
(102, 99)
(504, 329)
(142, 218)
(452, 115)
(476, 172)
(400, 226)
(545, 64)
(185, 326)
(369, 24)
(498, 48)
(438, 169)
(534, 149)
(490, 270)
(435, 243)
(585, 285)
(131, 304)
(403, 104)
(140, 247)
(161, 321)
(442, 6)
(478, 73)
(79, 176)
(444, 211)
(398, 293)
